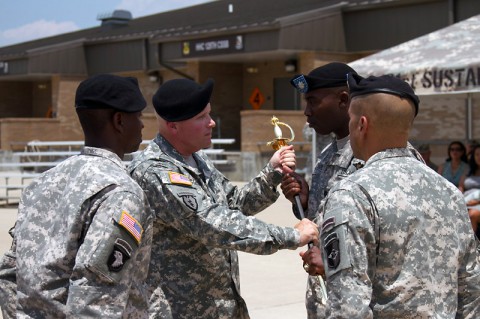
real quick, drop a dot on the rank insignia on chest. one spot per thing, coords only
(120, 254)
(332, 250)
(189, 200)
(177, 178)
(131, 225)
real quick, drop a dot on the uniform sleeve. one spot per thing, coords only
(348, 245)
(257, 194)
(469, 283)
(196, 212)
(112, 258)
(8, 282)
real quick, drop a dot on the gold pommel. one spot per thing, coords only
(279, 140)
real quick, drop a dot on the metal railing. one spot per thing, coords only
(39, 156)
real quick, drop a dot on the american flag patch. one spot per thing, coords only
(131, 225)
(176, 178)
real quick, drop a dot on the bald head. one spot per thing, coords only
(379, 121)
(388, 114)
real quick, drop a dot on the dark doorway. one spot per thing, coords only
(285, 95)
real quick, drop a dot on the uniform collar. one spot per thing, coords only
(167, 148)
(388, 153)
(101, 152)
(342, 142)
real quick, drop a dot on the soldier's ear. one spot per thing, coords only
(363, 124)
(118, 121)
(172, 126)
(344, 98)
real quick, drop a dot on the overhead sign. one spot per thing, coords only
(256, 99)
(3, 67)
(210, 46)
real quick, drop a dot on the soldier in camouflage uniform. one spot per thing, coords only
(327, 97)
(396, 238)
(84, 228)
(320, 143)
(201, 218)
(8, 282)
(326, 94)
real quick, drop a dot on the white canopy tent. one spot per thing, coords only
(446, 61)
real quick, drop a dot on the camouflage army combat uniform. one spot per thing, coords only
(8, 282)
(335, 162)
(321, 142)
(83, 239)
(397, 243)
(201, 220)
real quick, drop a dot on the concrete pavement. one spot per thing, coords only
(273, 286)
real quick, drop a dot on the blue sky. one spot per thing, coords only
(25, 20)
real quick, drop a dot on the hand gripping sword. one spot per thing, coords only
(276, 144)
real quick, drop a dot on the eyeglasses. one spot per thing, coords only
(455, 149)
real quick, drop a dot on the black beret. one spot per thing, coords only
(388, 84)
(181, 99)
(107, 91)
(327, 76)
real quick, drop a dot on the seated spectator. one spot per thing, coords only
(471, 144)
(424, 150)
(470, 186)
(455, 167)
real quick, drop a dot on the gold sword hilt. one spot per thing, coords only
(279, 140)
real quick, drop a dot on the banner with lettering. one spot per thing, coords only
(443, 61)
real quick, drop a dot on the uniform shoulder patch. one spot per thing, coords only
(131, 225)
(177, 178)
(121, 252)
(189, 200)
(332, 250)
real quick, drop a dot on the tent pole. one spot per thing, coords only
(451, 12)
(469, 116)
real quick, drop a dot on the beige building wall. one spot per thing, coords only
(15, 132)
(260, 75)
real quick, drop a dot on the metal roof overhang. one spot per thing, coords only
(316, 30)
(65, 58)
(40, 63)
